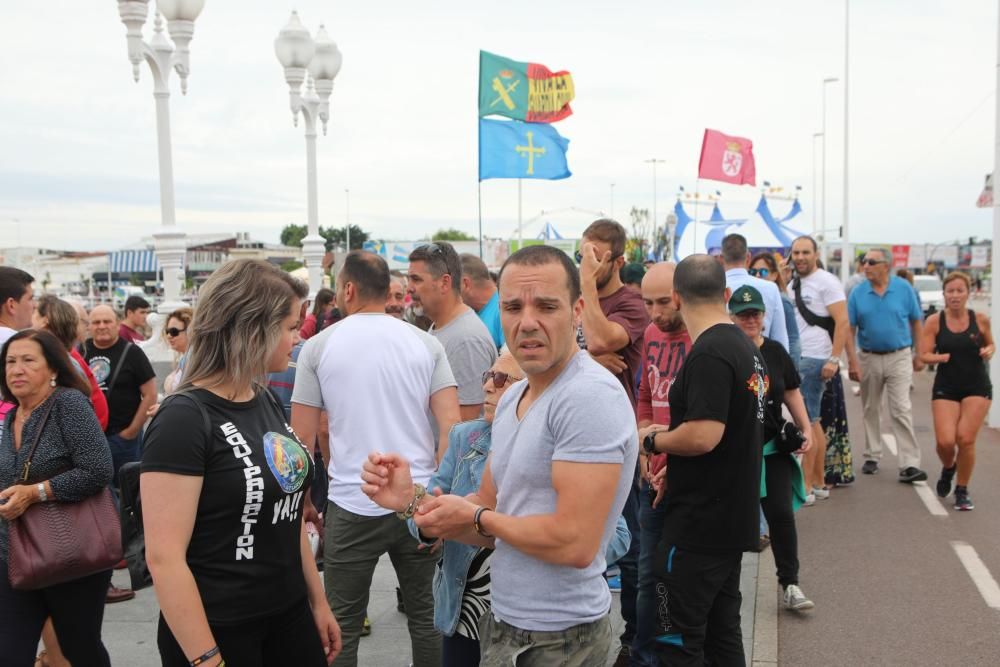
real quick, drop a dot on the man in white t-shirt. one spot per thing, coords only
(821, 315)
(353, 369)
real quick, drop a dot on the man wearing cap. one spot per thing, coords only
(885, 316)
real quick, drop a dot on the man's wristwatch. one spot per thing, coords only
(834, 360)
(649, 442)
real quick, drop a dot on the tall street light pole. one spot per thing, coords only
(845, 245)
(347, 193)
(315, 62)
(994, 416)
(816, 200)
(162, 58)
(653, 161)
(612, 200)
(822, 156)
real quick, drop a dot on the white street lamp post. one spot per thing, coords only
(162, 57)
(846, 263)
(315, 62)
(822, 157)
(994, 415)
(653, 161)
(347, 244)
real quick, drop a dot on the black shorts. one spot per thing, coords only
(945, 392)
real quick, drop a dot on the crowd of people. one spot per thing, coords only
(504, 438)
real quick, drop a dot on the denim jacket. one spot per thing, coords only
(460, 473)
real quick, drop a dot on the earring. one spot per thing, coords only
(52, 382)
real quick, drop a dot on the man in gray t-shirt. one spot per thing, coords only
(435, 284)
(564, 447)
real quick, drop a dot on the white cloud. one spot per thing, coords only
(79, 161)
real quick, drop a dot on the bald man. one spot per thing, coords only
(665, 346)
(127, 379)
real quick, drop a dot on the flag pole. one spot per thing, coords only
(520, 229)
(697, 201)
(479, 188)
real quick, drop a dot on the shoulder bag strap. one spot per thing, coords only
(26, 471)
(118, 367)
(810, 317)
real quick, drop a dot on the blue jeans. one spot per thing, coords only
(124, 451)
(629, 566)
(651, 529)
(813, 385)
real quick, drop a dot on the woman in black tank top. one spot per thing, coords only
(959, 340)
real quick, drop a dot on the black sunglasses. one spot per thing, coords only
(760, 273)
(174, 332)
(500, 379)
(873, 262)
(578, 256)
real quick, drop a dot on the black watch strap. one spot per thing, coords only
(649, 442)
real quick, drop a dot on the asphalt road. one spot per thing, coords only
(885, 573)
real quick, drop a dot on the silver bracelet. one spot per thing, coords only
(42, 495)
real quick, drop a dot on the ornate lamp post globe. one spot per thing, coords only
(315, 62)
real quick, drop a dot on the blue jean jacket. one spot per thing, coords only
(460, 473)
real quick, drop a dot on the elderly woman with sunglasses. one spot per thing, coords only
(462, 582)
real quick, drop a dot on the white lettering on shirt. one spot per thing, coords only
(254, 490)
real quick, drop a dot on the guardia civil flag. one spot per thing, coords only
(511, 149)
(522, 91)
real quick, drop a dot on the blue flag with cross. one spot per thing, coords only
(512, 149)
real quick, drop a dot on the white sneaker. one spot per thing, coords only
(810, 500)
(794, 598)
(821, 493)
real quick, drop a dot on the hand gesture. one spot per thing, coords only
(659, 484)
(387, 481)
(986, 352)
(592, 264)
(445, 515)
(16, 500)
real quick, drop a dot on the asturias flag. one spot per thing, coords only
(509, 149)
(523, 91)
(727, 159)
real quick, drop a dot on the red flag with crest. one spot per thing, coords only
(727, 159)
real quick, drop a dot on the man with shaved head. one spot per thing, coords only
(715, 440)
(126, 377)
(666, 344)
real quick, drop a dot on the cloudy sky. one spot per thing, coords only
(78, 168)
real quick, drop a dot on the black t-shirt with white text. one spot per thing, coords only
(782, 376)
(713, 500)
(124, 399)
(245, 550)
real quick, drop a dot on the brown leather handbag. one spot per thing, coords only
(55, 542)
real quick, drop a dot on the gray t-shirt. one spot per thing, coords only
(471, 352)
(584, 416)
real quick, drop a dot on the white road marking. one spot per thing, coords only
(890, 442)
(979, 573)
(930, 499)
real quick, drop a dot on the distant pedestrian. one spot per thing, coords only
(136, 312)
(960, 341)
(323, 305)
(764, 265)
(885, 317)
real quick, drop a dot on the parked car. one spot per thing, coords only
(931, 293)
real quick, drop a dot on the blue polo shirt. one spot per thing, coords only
(883, 322)
(490, 315)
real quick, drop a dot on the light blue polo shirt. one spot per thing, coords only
(883, 322)
(490, 315)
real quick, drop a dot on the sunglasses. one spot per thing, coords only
(578, 256)
(174, 332)
(873, 262)
(760, 273)
(500, 380)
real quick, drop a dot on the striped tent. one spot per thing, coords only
(133, 261)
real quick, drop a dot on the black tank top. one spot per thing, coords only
(965, 368)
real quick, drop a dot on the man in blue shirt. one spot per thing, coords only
(735, 260)
(479, 292)
(885, 317)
